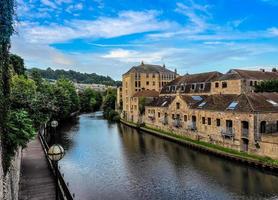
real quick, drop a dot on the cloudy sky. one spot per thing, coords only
(110, 36)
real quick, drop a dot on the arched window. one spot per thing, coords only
(263, 127)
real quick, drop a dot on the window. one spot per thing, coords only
(209, 121)
(153, 83)
(158, 114)
(147, 75)
(193, 87)
(217, 85)
(224, 85)
(202, 86)
(255, 83)
(164, 103)
(197, 98)
(173, 116)
(218, 122)
(147, 83)
(232, 105)
(153, 75)
(201, 105)
(178, 105)
(272, 102)
(135, 83)
(139, 84)
(203, 120)
(263, 127)
(251, 83)
(178, 116)
(185, 119)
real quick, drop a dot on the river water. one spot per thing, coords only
(112, 161)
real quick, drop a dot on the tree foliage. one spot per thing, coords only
(267, 86)
(76, 76)
(90, 100)
(109, 104)
(17, 64)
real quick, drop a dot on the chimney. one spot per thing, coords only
(262, 70)
(274, 69)
(164, 66)
(142, 62)
(176, 71)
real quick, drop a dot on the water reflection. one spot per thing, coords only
(112, 161)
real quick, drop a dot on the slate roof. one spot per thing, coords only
(146, 93)
(149, 68)
(235, 74)
(162, 101)
(250, 103)
(202, 82)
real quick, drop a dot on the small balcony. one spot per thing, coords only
(228, 132)
(177, 123)
(192, 126)
(164, 120)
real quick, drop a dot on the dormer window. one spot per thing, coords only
(193, 87)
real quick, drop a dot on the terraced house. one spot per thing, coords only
(220, 109)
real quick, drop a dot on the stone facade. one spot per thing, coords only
(216, 108)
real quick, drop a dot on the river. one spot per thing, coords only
(112, 161)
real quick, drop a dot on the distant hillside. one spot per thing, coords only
(76, 76)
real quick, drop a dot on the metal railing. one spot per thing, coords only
(177, 123)
(228, 132)
(64, 192)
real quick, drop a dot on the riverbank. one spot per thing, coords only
(249, 159)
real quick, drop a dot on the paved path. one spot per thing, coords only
(37, 182)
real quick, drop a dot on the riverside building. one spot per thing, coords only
(144, 77)
(217, 108)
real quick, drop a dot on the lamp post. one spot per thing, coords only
(54, 125)
(55, 153)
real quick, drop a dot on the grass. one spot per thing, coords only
(214, 147)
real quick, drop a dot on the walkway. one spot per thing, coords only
(37, 182)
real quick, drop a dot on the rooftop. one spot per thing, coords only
(146, 93)
(149, 68)
(234, 74)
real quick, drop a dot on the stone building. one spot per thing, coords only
(232, 116)
(140, 78)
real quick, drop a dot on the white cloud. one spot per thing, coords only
(273, 31)
(49, 3)
(127, 22)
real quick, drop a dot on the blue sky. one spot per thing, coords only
(110, 36)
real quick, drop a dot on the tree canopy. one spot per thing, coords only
(76, 76)
(267, 86)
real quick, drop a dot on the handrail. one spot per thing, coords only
(63, 188)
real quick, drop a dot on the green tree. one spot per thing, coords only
(66, 98)
(23, 91)
(6, 31)
(20, 129)
(17, 64)
(109, 105)
(90, 100)
(267, 86)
